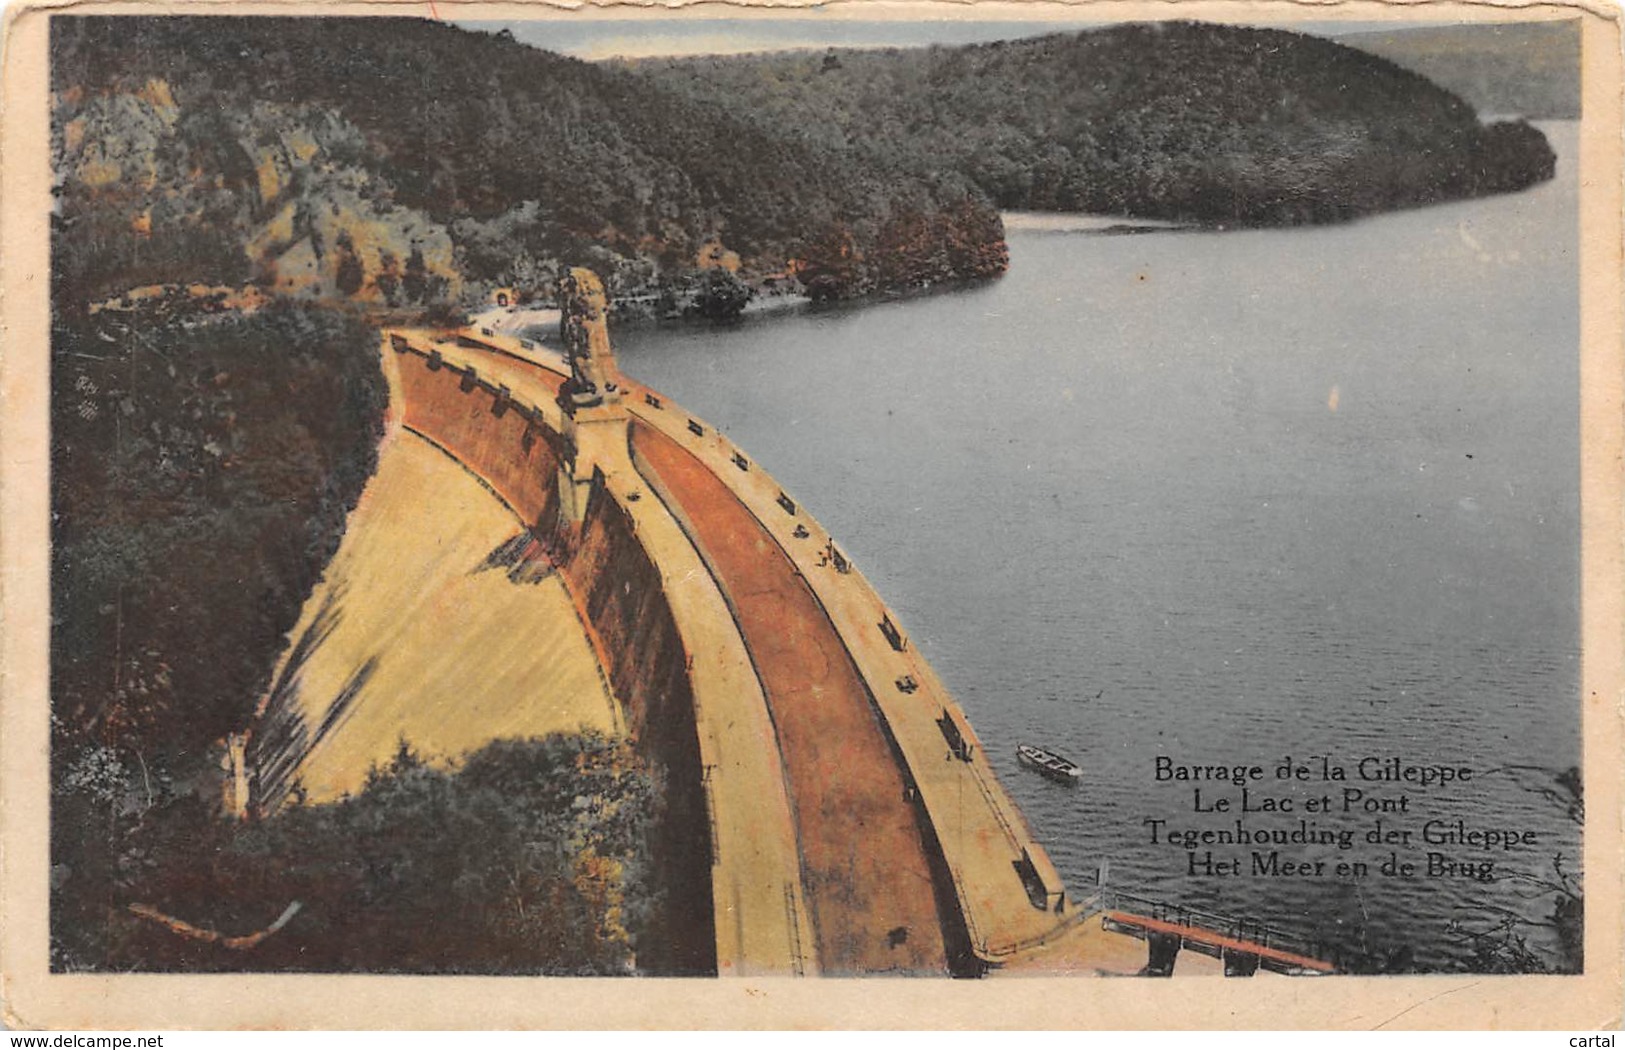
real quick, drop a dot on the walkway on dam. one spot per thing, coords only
(865, 869)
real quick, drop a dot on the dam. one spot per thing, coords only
(549, 546)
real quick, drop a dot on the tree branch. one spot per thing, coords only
(198, 933)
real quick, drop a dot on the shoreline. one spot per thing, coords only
(1084, 222)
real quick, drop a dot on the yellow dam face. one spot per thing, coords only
(438, 628)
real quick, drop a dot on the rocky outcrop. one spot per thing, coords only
(281, 186)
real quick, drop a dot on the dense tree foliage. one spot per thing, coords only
(1177, 120)
(532, 160)
(203, 467)
(721, 295)
(530, 857)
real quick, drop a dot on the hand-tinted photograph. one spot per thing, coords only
(804, 495)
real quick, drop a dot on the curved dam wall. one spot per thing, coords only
(625, 603)
(518, 448)
(507, 444)
(513, 448)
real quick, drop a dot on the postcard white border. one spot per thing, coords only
(34, 998)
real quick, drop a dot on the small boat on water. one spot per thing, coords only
(1048, 763)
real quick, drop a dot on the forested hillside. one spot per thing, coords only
(1179, 120)
(402, 162)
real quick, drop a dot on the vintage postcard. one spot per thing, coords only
(859, 515)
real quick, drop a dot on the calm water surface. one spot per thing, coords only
(1225, 498)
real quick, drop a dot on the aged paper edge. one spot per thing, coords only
(34, 998)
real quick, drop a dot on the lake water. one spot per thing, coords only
(1225, 498)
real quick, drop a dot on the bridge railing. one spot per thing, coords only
(1212, 933)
